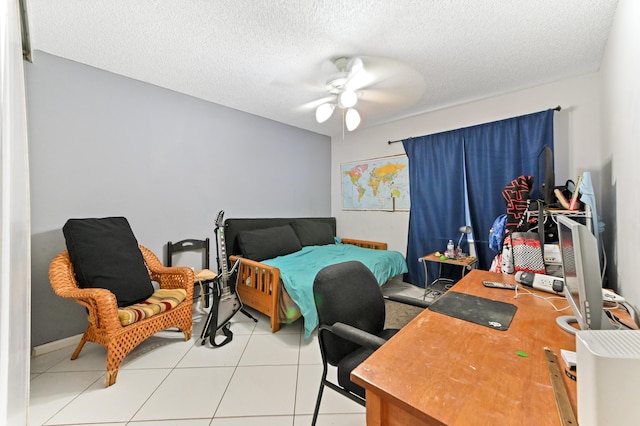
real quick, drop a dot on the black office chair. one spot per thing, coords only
(351, 315)
(203, 278)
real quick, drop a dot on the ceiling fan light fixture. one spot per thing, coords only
(352, 119)
(324, 111)
(347, 99)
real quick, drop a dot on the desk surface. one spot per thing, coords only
(460, 261)
(442, 370)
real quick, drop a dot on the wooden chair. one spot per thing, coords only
(203, 277)
(105, 327)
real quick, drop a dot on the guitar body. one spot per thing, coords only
(226, 302)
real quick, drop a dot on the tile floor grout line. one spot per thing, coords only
(235, 369)
(102, 377)
(150, 395)
(297, 415)
(295, 389)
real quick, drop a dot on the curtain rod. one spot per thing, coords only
(558, 108)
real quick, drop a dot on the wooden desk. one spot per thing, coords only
(466, 263)
(442, 370)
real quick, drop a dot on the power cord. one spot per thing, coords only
(526, 292)
(633, 311)
(614, 319)
(607, 310)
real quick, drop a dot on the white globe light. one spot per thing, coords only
(347, 99)
(323, 112)
(352, 119)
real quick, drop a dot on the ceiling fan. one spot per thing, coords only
(355, 81)
(349, 77)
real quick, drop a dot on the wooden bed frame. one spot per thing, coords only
(259, 285)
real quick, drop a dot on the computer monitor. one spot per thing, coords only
(546, 176)
(582, 281)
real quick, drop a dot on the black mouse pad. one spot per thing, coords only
(475, 309)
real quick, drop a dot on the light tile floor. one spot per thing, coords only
(259, 378)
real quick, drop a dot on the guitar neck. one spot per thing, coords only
(223, 257)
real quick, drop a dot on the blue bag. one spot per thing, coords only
(496, 233)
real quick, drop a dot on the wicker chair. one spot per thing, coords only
(104, 325)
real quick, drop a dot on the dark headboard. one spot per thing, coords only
(233, 226)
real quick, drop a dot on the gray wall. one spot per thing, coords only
(106, 145)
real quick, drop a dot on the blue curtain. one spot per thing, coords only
(436, 190)
(468, 167)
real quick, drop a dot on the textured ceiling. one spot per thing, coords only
(269, 58)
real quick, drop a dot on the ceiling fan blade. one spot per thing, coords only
(382, 86)
(304, 77)
(371, 71)
(360, 80)
(358, 77)
(355, 65)
(312, 105)
(381, 67)
(378, 102)
(395, 84)
(383, 97)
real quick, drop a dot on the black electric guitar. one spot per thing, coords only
(226, 301)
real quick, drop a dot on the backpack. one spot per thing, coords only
(496, 233)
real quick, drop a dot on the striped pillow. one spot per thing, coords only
(160, 301)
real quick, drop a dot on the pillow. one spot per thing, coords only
(313, 233)
(105, 254)
(261, 244)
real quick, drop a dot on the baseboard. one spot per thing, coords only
(55, 345)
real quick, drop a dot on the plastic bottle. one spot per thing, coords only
(451, 251)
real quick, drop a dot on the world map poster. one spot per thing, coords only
(376, 184)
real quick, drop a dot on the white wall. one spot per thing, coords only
(578, 145)
(621, 142)
(14, 222)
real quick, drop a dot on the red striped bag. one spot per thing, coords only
(527, 252)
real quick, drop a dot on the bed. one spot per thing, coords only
(279, 258)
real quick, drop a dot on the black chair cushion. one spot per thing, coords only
(261, 244)
(105, 254)
(354, 359)
(313, 233)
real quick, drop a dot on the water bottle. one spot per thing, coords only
(451, 251)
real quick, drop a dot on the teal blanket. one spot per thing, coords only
(299, 269)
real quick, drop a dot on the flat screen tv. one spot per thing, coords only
(582, 281)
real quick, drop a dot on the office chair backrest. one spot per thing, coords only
(189, 245)
(348, 293)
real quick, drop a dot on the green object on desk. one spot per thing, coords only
(522, 354)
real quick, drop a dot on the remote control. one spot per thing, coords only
(492, 284)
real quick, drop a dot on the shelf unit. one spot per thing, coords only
(584, 215)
